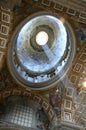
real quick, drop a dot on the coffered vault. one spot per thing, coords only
(43, 64)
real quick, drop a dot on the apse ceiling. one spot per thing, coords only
(43, 60)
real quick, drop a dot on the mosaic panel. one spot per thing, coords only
(77, 68)
(71, 12)
(83, 16)
(37, 98)
(4, 9)
(67, 116)
(58, 7)
(55, 98)
(73, 79)
(4, 30)
(45, 105)
(81, 20)
(46, 2)
(69, 92)
(82, 57)
(2, 42)
(5, 17)
(67, 104)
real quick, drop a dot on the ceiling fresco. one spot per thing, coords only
(58, 101)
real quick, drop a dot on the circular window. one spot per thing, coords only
(42, 38)
(41, 51)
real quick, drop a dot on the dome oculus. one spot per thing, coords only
(41, 38)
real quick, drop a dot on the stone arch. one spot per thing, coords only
(36, 97)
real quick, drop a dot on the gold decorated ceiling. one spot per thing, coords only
(19, 11)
